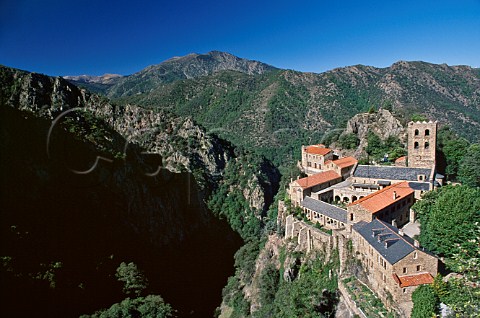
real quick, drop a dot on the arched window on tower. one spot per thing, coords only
(415, 145)
(427, 145)
(427, 132)
(416, 132)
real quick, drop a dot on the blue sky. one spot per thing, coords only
(96, 37)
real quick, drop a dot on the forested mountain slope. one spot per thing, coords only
(277, 111)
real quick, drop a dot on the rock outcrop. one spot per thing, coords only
(382, 123)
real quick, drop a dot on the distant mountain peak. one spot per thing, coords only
(193, 65)
(102, 79)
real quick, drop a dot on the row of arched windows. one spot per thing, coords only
(427, 132)
(426, 145)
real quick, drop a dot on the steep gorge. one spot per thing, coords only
(64, 233)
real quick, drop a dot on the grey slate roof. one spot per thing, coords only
(425, 186)
(399, 248)
(325, 209)
(390, 173)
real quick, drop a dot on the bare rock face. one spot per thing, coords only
(382, 123)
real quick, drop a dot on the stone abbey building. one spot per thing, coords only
(378, 201)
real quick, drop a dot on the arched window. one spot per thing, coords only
(427, 145)
(337, 198)
(345, 199)
(416, 132)
(427, 132)
(354, 198)
(415, 145)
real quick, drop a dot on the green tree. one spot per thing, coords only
(388, 105)
(425, 302)
(375, 147)
(269, 280)
(447, 218)
(452, 148)
(418, 117)
(463, 297)
(311, 294)
(349, 141)
(151, 306)
(331, 136)
(467, 258)
(133, 279)
(469, 166)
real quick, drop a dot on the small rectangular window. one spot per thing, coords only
(404, 270)
(419, 267)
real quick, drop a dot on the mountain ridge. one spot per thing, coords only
(278, 111)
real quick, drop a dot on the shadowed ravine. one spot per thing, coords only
(90, 224)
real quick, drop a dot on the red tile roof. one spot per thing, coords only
(413, 280)
(381, 199)
(401, 159)
(345, 162)
(317, 150)
(317, 179)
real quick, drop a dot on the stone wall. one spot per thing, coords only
(307, 236)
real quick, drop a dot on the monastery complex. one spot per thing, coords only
(368, 205)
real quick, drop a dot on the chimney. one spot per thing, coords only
(382, 237)
(416, 243)
(400, 232)
(394, 195)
